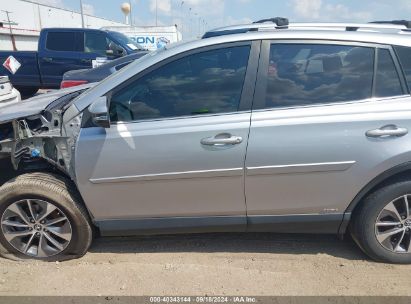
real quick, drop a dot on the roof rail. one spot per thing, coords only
(272, 23)
(405, 23)
(280, 23)
(349, 26)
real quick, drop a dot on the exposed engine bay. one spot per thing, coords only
(42, 140)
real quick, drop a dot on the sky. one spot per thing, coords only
(195, 16)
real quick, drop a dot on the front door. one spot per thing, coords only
(177, 144)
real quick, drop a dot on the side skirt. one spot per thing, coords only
(305, 223)
(310, 223)
(172, 225)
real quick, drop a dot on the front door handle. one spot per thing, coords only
(387, 131)
(47, 59)
(86, 60)
(222, 140)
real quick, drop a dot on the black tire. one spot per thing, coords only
(362, 226)
(27, 92)
(58, 191)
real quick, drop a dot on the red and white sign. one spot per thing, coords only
(12, 64)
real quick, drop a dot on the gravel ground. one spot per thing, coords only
(211, 264)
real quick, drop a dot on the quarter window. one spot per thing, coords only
(404, 55)
(387, 79)
(306, 74)
(204, 83)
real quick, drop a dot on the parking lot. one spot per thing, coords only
(211, 264)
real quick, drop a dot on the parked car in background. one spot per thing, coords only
(61, 50)
(8, 94)
(270, 127)
(79, 77)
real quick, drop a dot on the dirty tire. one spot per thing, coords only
(362, 227)
(62, 193)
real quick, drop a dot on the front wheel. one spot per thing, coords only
(382, 224)
(42, 218)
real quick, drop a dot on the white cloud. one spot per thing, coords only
(88, 9)
(55, 3)
(234, 21)
(334, 12)
(310, 9)
(315, 10)
(163, 6)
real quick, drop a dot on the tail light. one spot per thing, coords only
(71, 83)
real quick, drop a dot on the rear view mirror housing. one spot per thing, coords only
(99, 112)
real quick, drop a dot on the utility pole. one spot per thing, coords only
(182, 17)
(13, 42)
(189, 22)
(82, 14)
(131, 13)
(156, 12)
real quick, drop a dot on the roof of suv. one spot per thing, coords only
(387, 32)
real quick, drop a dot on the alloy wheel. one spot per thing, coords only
(36, 228)
(393, 225)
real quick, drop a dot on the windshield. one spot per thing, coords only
(124, 40)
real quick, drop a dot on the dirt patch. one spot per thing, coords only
(211, 264)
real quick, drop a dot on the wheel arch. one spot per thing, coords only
(395, 174)
(48, 169)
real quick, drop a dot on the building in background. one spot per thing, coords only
(29, 18)
(149, 37)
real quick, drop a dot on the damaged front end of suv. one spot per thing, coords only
(34, 136)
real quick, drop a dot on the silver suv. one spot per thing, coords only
(277, 127)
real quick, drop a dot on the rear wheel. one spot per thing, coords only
(42, 218)
(382, 224)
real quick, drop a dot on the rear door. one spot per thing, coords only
(60, 53)
(326, 121)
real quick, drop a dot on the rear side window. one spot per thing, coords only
(404, 55)
(387, 79)
(65, 41)
(306, 74)
(209, 82)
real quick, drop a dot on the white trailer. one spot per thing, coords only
(149, 37)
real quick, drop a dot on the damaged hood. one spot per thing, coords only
(36, 105)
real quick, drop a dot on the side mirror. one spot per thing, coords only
(115, 50)
(99, 112)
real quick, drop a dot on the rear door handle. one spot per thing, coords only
(47, 59)
(387, 131)
(221, 140)
(86, 60)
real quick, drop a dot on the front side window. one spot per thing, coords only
(306, 74)
(96, 43)
(65, 41)
(209, 82)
